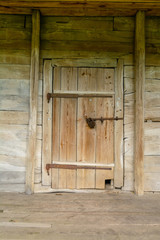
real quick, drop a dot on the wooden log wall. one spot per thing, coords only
(15, 51)
(100, 39)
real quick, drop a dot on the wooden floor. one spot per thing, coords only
(80, 216)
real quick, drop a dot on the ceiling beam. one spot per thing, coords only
(81, 7)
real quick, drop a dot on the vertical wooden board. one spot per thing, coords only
(140, 88)
(34, 78)
(105, 80)
(47, 123)
(87, 79)
(104, 139)
(85, 142)
(118, 129)
(56, 126)
(85, 136)
(68, 79)
(67, 178)
(68, 130)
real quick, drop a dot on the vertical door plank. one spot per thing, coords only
(140, 88)
(118, 130)
(85, 136)
(47, 123)
(68, 130)
(105, 80)
(56, 127)
(104, 139)
(34, 78)
(87, 79)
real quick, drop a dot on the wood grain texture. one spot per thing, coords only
(104, 139)
(68, 128)
(47, 123)
(34, 78)
(118, 127)
(139, 115)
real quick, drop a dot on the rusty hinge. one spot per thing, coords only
(74, 166)
(91, 121)
(76, 95)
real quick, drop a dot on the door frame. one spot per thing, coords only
(47, 115)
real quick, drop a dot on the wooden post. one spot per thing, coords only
(34, 78)
(139, 114)
(118, 127)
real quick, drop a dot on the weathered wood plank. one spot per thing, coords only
(9, 187)
(14, 71)
(152, 138)
(87, 46)
(95, 62)
(17, 57)
(86, 137)
(74, 23)
(118, 127)
(140, 88)
(68, 130)
(34, 78)
(15, 21)
(47, 123)
(104, 139)
(56, 126)
(86, 35)
(9, 177)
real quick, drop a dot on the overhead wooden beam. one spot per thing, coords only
(81, 7)
(139, 114)
(34, 77)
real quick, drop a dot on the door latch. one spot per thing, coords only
(91, 121)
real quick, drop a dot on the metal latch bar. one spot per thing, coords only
(73, 166)
(76, 95)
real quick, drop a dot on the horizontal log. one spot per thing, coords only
(151, 182)
(10, 187)
(74, 23)
(92, 54)
(87, 46)
(14, 71)
(83, 35)
(14, 21)
(15, 44)
(95, 62)
(12, 177)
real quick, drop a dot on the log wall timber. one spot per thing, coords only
(14, 100)
(100, 40)
(81, 7)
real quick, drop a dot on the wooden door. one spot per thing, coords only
(73, 141)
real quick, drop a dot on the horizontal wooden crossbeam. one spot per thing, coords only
(81, 7)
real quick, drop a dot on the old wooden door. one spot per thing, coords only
(82, 93)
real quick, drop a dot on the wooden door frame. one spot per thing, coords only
(47, 115)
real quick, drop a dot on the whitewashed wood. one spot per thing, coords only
(34, 78)
(47, 123)
(10, 187)
(152, 138)
(152, 182)
(139, 115)
(9, 177)
(118, 127)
